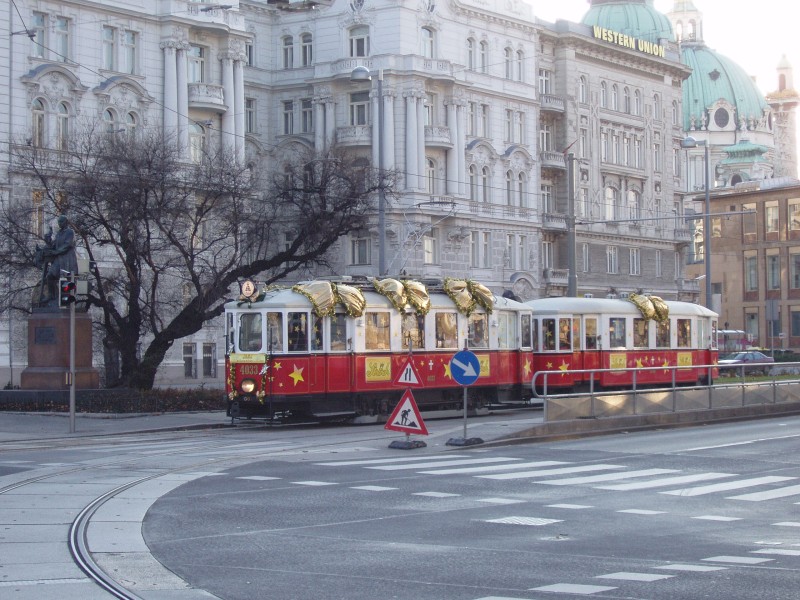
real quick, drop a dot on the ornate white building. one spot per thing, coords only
(486, 111)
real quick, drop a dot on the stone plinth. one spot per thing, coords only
(48, 352)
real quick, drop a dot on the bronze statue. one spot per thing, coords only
(57, 258)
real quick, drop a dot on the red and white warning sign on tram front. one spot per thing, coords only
(406, 417)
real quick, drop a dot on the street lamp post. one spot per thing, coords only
(572, 280)
(360, 74)
(690, 142)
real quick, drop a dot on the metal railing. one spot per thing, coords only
(638, 398)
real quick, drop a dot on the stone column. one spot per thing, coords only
(452, 153)
(461, 147)
(170, 89)
(411, 141)
(239, 113)
(319, 125)
(421, 164)
(183, 99)
(229, 97)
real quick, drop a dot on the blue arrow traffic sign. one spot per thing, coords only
(465, 367)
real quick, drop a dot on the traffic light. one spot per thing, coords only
(67, 292)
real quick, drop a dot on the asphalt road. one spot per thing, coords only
(704, 512)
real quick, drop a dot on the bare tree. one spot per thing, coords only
(169, 239)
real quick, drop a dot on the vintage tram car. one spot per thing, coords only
(334, 349)
(617, 343)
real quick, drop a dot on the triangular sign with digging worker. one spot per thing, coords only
(405, 417)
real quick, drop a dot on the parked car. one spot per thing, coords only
(750, 362)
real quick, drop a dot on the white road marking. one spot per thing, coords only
(543, 472)
(739, 560)
(643, 485)
(573, 588)
(792, 490)
(722, 487)
(695, 568)
(443, 463)
(489, 468)
(626, 576)
(378, 461)
(607, 477)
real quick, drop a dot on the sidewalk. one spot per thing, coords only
(37, 426)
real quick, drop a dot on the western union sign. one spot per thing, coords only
(628, 41)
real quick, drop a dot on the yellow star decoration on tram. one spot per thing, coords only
(527, 368)
(447, 372)
(563, 367)
(297, 374)
(277, 366)
(549, 366)
(639, 363)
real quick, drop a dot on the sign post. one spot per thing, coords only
(465, 369)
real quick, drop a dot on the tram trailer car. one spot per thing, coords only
(283, 360)
(575, 334)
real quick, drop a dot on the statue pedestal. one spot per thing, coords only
(48, 352)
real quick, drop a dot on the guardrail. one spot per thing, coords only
(674, 398)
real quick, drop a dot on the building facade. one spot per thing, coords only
(483, 111)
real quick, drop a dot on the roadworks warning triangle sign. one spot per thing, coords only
(406, 417)
(408, 375)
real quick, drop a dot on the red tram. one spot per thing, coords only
(622, 339)
(326, 349)
(334, 350)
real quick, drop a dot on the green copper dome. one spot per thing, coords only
(636, 18)
(716, 77)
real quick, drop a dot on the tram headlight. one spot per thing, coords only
(248, 386)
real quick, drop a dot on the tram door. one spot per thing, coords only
(591, 345)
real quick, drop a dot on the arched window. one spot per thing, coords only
(520, 65)
(508, 53)
(583, 91)
(307, 49)
(473, 183)
(675, 113)
(637, 103)
(509, 188)
(131, 122)
(521, 191)
(614, 97)
(37, 123)
(657, 107)
(603, 94)
(197, 142)
(485, 195)
(430, 176)
(626, 101)
(634, 205)
(110, 121)
(611, 209)
(288, 52)
(470, 54)
(62, 127)
(428, 39)
(484, 56)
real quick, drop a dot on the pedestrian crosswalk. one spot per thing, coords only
(599, 475)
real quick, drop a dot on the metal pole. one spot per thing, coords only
(572, 281)
(72, 361)
(707, 228)
(381, 191)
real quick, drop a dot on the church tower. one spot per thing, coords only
(784, 102)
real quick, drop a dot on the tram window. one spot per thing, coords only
(506, 330)
(413, 330)
(446, 330)
(316, 338)
(338, 332)
(702, 342)
(549, 332)
(684, 333)
(477, 331)
(377, 330)
(713, 335)
(274, 332)
(564, 334)
(535, 334)
(590, 338)
(576, 331)
(298, 332)
(662, 334)
(525, 322)
(641, 333)
(230, 335)
(616, 332)
(250, 332)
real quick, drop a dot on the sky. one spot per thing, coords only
(753, 34)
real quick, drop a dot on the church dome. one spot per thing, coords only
(715, 77)
(637, 18)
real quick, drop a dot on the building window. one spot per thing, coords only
(484, 56)
(522, 253)
(359, 108)
(197, 142)
(614, 97)
(794, 214)
(657, 107)
(306, 50)
(612, 259)
(636, 261)
(288, 117)
(520, 66)
(189, 362)
(484, 121)
(473, 183)
(359, 248)
(634, 205)
(485, 192)
(61, 42)
(773, 272)
(307, 115)
(197, 67)
(546, 137)
(794, 268)
(62, 127)
(659, 264)
(795, 324)
(603, 94)
(675, 113)
(750, 274)
(637, 103)
(209, 360)
(470, 54)
(547, 199)
(509, 129)
(359, 41)
(38, 40)
(585, 206)
(475, 249)
(547, 255)
(771, 218)
(430, 246)
(37, 123)
(508, 54)
(626, 101)
(585, 258)
(428, 40)
(109, 47)
(37, 212)
(250, 115)
(288, 52)
(522, 192)
(430, 176)
(250, 52)
(612, 204)
(486, 249)
(510, 251)
(545, 81)
(749, 222)
(583, 92)
(129, 42)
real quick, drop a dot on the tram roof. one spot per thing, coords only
(560, 306)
